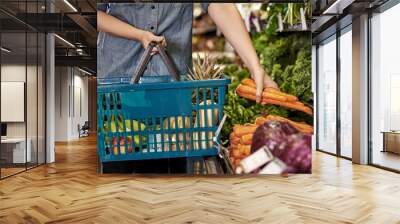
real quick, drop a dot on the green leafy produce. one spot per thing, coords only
(288, 61)
(287, 58)
(296, 79)
(240, 110)
(272, 21)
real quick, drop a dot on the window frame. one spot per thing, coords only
(340, 28)
(380, 9)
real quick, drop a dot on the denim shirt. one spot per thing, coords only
(118, 57)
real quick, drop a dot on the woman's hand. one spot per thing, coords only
(148, 37)
(262, 81)
(110, 24)
(229, 21)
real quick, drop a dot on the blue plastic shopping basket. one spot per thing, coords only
(158, 120)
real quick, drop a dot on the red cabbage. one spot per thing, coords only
(285, 143)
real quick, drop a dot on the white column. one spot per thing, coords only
(50, 99)
(50, 92)
(360, 90)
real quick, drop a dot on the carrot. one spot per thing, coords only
(290, 105)
(298, 103)
(246, 89)
(241, 130)
(246, 139)
(250, 90)
(288, 96)
(276, 118)
(245, 95)
(235, 140)
(310, 132)
(274, 96)
(251, 83)
(260, 121)
(231, 149)
(235, 153)
(243, 149)
(247, 151)
(301, 126)
(308, 110)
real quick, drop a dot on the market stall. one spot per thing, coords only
(204, 110)
(281, 37)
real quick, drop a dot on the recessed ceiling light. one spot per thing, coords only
(64, 40)
(5, 50)
(70, 5)
(337, 7)
(84, 71)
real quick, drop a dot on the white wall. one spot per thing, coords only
(9, 73)
(62, 82)
(15, 72)
(79, 117)
(70, 83)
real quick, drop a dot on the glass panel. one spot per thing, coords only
(13, 80)
(346, 94)
(385, 84)
(23, 90)
(31, 98)
(32, 87)
(41, 99)
(327, 96)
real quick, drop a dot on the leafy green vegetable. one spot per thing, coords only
(287, 58)
(296, 79)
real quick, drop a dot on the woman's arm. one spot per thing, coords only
(227, 18)
(109, 24)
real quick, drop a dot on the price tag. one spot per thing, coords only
(255, 160)
(276, 166)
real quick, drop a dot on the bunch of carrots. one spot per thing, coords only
(241, 139)
(300, 126)
(247, 89)
(242, 136)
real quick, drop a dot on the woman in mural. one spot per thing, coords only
(126, 29)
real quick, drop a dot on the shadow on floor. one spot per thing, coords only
(159, 166)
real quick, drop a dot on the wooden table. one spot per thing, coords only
(14, 152)
(391, 141)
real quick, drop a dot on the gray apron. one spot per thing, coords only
(118, 57)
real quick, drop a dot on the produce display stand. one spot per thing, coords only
(158, 120)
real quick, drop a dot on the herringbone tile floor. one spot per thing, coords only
(70, 191)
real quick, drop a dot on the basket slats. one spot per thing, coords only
(163, 120)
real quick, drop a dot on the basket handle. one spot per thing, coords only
(144, 60)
